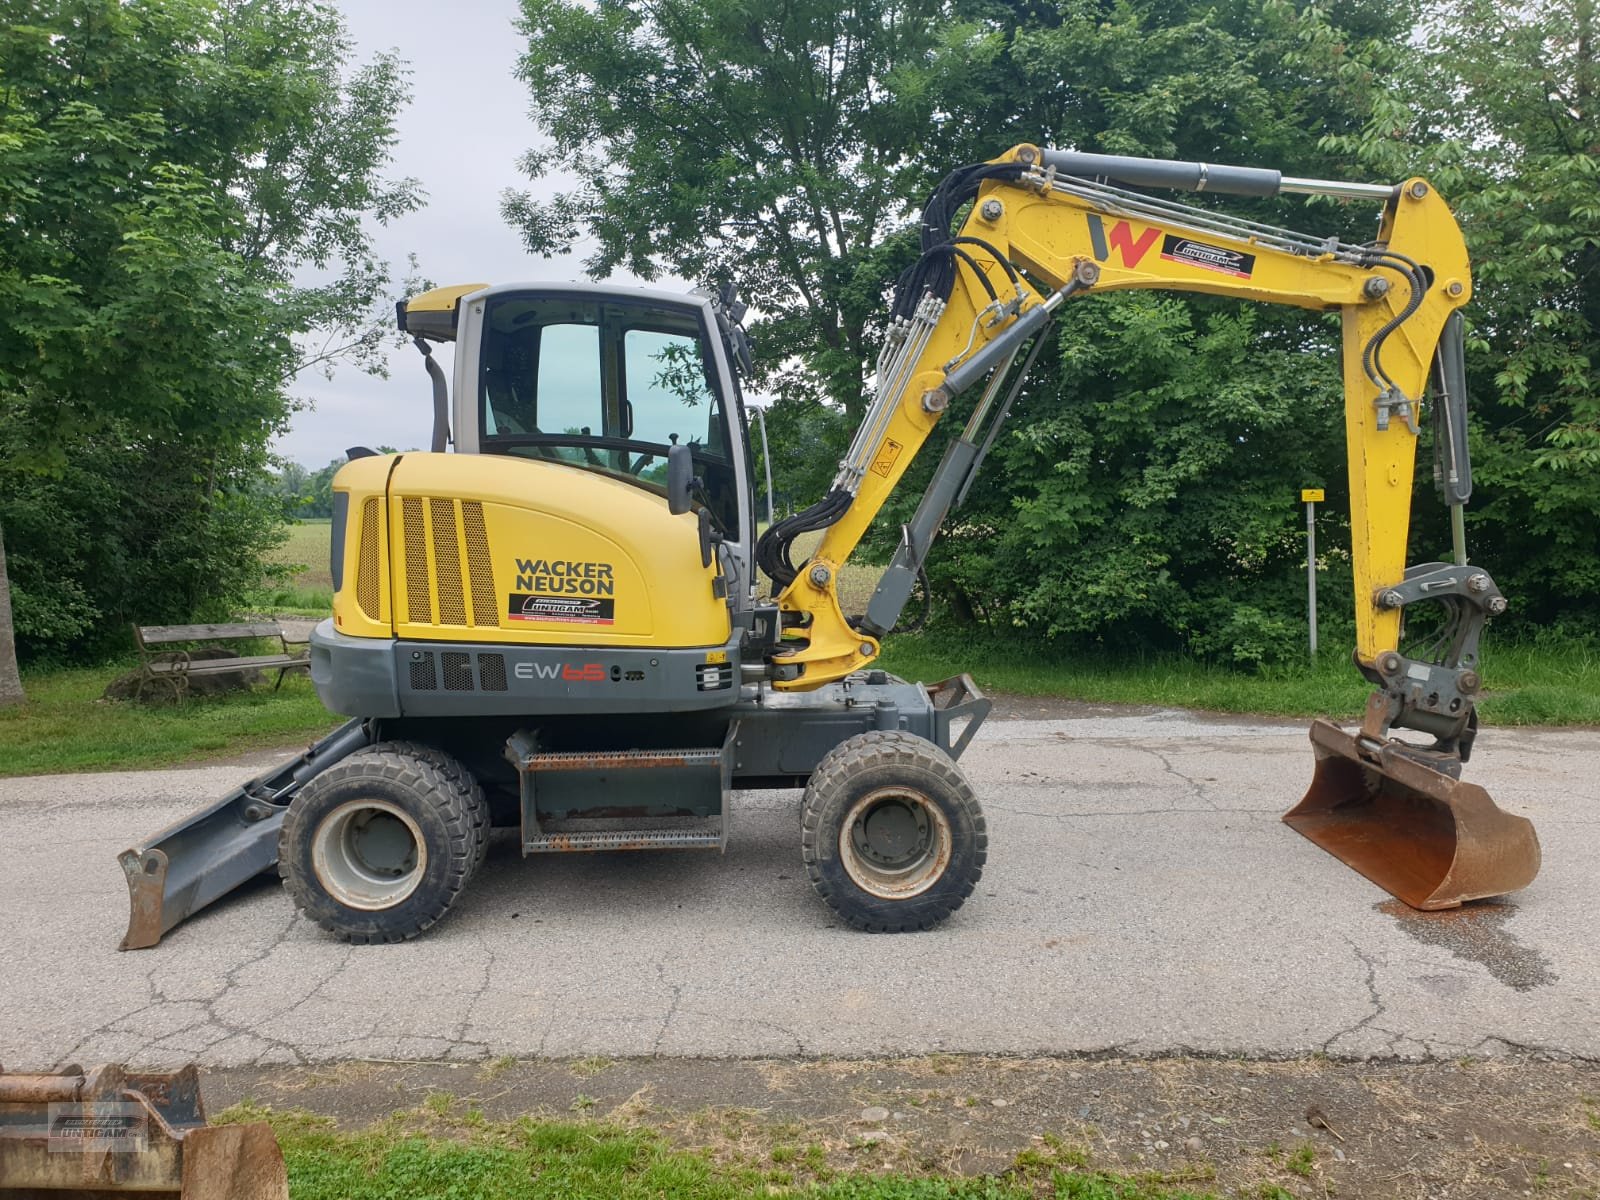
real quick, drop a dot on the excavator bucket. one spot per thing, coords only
(1430, 840)
(109, 1132)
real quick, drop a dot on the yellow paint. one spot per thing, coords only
(610, 564)
(442, 299)
(362, 479)
(1047, 234)
(1311, 495)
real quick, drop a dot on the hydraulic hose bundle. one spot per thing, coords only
(934, 273)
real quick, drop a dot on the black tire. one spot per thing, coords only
(892, 834)
(379, 846)
(461, 777)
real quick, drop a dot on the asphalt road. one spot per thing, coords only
(1141, 897)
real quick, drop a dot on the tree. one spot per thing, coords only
(772, 146)
(1143, 493)
(170, 169)
(1500, 104)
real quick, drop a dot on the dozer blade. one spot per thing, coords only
(1430, 840)
(108, 1132)
(208, 854)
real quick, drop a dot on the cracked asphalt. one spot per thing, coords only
(1141, 898)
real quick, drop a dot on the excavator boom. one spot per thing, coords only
(1046, 225)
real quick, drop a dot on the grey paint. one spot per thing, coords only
(1165, 173)
(373, 677)
(353, 676)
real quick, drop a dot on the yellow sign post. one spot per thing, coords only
(1310, 497)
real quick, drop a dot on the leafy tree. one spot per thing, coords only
(1502, 107)
(1144, 492)
(170, 169)
(774, 146)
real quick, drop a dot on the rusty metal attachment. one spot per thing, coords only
(109, 1132)
(1424, 837)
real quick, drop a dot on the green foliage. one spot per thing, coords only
(1143, 496)
(773, 146)
(1500, 105)
(169, 169)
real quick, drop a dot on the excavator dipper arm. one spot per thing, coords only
(1047, 225)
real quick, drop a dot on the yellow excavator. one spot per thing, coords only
(563, 626)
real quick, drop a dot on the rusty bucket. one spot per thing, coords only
(1427, 839)
(108, 1132)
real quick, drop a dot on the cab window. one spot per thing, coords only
(605, 385)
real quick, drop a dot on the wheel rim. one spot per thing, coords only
(369, 854)
(895, 843)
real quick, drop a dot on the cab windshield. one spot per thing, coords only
(605, 385)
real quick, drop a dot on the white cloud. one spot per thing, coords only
(462, 134)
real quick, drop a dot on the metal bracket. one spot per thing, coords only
(1396, 401)
(1436, 691)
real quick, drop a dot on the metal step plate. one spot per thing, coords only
(627, 833)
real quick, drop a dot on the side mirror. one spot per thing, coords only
(680, 475)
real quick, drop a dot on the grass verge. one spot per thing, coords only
(66, 726)
(438, 1152)
(1531, 684)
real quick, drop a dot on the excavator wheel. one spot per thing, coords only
(892, 834)
(378, 847)
(460, 776)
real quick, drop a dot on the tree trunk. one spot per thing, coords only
(10, 680)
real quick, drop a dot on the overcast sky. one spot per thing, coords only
(461, 136)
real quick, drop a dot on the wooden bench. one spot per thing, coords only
(163, 665)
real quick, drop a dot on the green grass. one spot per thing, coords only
(424, 1154)
(65, 726)
(1531, 684)
(307, 550)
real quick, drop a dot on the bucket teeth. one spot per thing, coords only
(1427, 839)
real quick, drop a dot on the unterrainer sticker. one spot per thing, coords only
(1211, 258)
(570, 610)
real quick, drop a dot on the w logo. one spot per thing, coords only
(1121, 239)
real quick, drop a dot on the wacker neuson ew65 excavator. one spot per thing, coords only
(560, 627)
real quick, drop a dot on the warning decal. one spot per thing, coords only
(887, 453)
(1211, 258)
(570, 610)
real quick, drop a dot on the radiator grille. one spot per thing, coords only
(433, 559)
(367, 567)
(422, 677)
(457, 671)
(419, 595)
(447, 562)
(480, 571)
(492, 672)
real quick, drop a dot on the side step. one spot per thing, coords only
(629, 833)
(608, 800)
